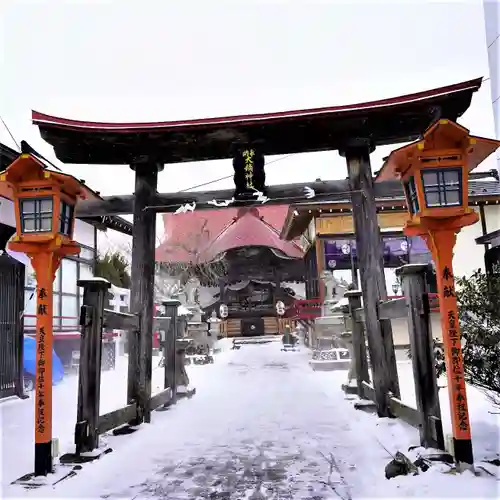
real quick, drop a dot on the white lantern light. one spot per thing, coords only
(223, 311)
(280, 308)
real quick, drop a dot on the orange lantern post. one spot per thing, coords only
(44, 207)
(434, 172)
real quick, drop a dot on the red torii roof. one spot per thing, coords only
(385, 121)
(70, 124)
(201, 236)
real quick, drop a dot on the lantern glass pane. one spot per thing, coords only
(29, 225)
(36, 215)
(430, 178)
(65, 218)
(453, 197)
(411, 195)
(46, 206)
(443, 187)
(432, 198)
(28, 206)
(46, 224)
(451, 177)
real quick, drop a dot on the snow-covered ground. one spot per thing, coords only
(17, 417)
(262, 425)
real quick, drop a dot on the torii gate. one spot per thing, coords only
(353, 130)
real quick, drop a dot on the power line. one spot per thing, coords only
(287, 156)
(227, 176)
(10, 133)
(494, 40)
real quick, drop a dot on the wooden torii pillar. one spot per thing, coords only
(142, 290)
(371, 266)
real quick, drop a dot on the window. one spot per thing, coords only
(66, 218)
(411, 196)
(86, 253)
(69, 276)
(29, 276)
(57, 281)
(419, 252)
(29, 309)
(86, 273)
(69, 311)
(56, 311)
(36, 215)
(442, 188)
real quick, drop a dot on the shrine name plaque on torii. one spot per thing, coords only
(353, 130)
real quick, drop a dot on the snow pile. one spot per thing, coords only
(485, 419)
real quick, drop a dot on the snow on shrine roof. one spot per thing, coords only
(386, 121)
(201, 236)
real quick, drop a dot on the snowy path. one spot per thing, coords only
(263, 425)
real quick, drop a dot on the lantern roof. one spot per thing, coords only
(9, 155)
(441, 135)
(27, 167)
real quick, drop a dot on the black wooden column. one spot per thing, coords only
(142, 293)
(169, 347)
(277, 287)
(222, 286)
(358, 342)
(18, 299)
(422, 354)
(89, 379)
(371, 266)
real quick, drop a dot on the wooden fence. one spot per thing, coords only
(415, 306)
(94, 317)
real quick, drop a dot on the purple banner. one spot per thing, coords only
(339, 254)
(396, 250)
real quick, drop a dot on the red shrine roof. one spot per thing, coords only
(201, 236)
(386, 121)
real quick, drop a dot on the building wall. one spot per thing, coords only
(469, 256)
(7, 212)
(492, 25)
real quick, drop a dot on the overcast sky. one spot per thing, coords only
(121, 60)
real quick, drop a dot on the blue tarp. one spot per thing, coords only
(30, 361)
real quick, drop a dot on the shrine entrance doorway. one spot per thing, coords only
(252, 327)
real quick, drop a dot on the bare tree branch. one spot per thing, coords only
(334, 485)
(192, 246)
